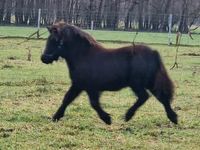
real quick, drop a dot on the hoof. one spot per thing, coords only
(173, 118)
(56, 117)
(107, 119)
(128, 117)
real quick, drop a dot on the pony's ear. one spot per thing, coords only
(52, 30)
(55, 32)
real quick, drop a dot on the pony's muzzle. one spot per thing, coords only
(47, 59)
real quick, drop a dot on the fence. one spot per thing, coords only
(145, 24)
(111, 20)
(102, 30)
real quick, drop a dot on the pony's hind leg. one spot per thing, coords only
(164, 99)
(142, 97)
(94, 101)
(72, 93)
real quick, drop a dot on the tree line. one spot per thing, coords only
(142, 15)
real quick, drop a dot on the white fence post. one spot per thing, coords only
(170, 29)
(92, 25)
(38, 23)
(39, 17)
(54, 16)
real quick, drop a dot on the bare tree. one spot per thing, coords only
(8, 8)
(165, 12)
(99, 15)
(112, 14)
(183, 21)
(2, 7)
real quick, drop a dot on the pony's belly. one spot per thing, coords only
(113, 87)
(102, 85)
(101, 79)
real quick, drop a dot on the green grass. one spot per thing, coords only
(109, 36)
(30, 92)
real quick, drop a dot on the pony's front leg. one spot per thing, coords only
(94, 101)
(72, 93)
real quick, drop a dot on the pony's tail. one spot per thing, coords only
(163, 87)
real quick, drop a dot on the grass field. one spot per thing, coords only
(30, 92)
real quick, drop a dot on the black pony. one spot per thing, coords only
(95, 69)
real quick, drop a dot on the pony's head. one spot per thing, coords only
(62, 39)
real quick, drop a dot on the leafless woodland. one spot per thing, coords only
(142, 15)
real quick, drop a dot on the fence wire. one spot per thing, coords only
(34, 20)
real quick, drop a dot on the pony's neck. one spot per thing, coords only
(75, 52)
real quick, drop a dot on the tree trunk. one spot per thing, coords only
(154, 22)
(183, 21)
(140, 15)
(90, 13)
(116, 14)
(59, 10)
(128, 16)
(99, 14)
(19, 12)
(2, 5)
(77, 13)
(71, 8)
(146, 15)
(8, 11)
(109, 13)
(164, 20)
